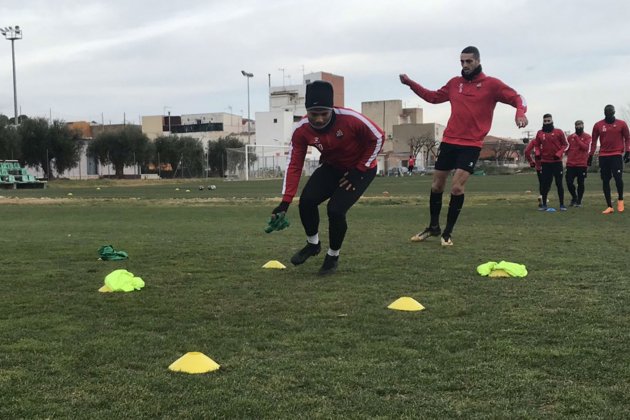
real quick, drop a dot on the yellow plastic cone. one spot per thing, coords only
(105, 289)
(274, 264)
(406, 304)
(194, 362)
(498, 273)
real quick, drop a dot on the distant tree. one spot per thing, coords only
(43, 143)
(184, 154)
(125, 147)
(423, 143)
(66, 146)
(217, 154)
(9, 140)
(503, 150)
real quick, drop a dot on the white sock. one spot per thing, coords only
(313, 239)
(333, 253)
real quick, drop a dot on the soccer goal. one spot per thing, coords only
(263, 162)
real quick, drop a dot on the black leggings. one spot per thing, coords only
(611, 167)
(324, 184)
(573, 173)
(550, 172)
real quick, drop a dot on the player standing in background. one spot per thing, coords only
(614, 150)
(577, 162)
(552, 143)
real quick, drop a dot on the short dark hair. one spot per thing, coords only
(579, 122)
(472, 50)
(547, 116)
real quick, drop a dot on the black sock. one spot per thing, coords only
(435, 206)
(454, 207)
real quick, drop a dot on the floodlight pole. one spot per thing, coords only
(11, 34)
(249, 130)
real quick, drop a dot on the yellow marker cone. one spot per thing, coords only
(194, 362)
(274, 264)
(105, 289)
(406, 304)
(498, 273)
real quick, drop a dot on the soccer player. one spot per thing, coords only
(577, 162)
(552, 143)
(614, 142)
(411, 164)
(349, 143)
(537, 166)
(473, 97)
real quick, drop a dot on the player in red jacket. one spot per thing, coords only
(577, 162)
(349, 143)
(552, 144)
(473, 97)
(614, 142)
(537, 165)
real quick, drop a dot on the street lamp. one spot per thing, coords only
(249, 131)
(11, 34)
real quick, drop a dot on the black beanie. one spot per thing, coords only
(319, 94)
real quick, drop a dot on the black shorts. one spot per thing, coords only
(451, 156)
(576, 172)
(609, 165)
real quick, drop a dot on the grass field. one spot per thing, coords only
(292, 345)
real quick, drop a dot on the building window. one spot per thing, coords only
(275, 120)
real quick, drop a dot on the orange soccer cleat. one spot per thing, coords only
(609, 210)
(620, 206)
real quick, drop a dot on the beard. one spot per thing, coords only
(579, 131)
(547, 128)
(472, 74)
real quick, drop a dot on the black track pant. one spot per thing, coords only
(576, 173)
(323, 185)
(552, 171)
(611, 167)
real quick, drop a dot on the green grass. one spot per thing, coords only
(290, 344)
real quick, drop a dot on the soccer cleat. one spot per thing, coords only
(563, 208)
(609, 210)
(573, 203)
(427, 233)
(620, 206)
(542, 208)
(578, 205)
(446, 241)
(540, 203)
(305, 253)
(329, 266)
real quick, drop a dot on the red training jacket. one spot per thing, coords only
(552, 145)
(352, 141)
(537, 152)
(578, 151)
(472, 106)
(614, 139)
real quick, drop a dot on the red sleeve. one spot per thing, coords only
(431, 96)
(528, 150)
(297, 153)
(373, 136)
(594, 139)
(565, 144)
(626, 135)
(507, 95)
(583, 145)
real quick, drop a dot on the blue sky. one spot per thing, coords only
(81, 60)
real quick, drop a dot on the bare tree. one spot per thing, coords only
(502, 150)
(423, 143)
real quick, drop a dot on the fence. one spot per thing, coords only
(262, 162)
